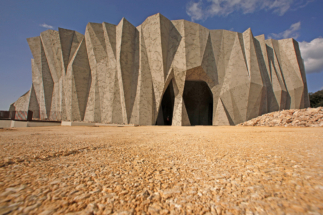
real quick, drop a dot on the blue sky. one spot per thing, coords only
(276, 19)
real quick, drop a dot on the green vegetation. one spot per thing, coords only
(316, 99)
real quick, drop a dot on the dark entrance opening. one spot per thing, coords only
(165, 113)
(198, 100)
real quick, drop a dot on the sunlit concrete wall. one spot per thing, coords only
(119, 73)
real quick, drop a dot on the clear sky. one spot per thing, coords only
(277, 19)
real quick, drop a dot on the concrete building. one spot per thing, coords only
(161, 72)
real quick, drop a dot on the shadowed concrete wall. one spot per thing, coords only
(121, 73)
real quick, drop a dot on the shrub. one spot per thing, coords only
(316, 99)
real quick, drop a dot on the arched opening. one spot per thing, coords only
(198, 100)
(165, 113)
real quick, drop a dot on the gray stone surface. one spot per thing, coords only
(120, 73)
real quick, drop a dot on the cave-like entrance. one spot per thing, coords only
(198, 100)
(165, 113)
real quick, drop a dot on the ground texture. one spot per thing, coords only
(161, 170)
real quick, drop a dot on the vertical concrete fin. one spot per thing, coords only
(127, 53)
(185, 119)
(117, 115)
(53, 54)
(306, 100)
(81, 79)
(66, 40)
(51, 43)
(35, 48)
(77, 39)
(38, 83)
(110, 42)
(98, 60)
(192, 43)
(110, 37)
(222, 116)
(47, 82)
(145, 87)
(152, 36)
(208, 63)
(33, 103)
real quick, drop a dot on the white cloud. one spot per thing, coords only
(46, 26)
(291, 32)
(312, 54)
(194, 10)
(201, 11)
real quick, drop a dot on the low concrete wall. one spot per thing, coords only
(38, 124)
(22, 124)
(5, 123)
(18, 124)
(66, 123)
(116, 125)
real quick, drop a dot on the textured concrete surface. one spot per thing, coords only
(120, 73)
(5, 123)
(161, 170)
(20, 124)
(67, 123)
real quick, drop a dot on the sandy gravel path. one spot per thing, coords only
(161, 170)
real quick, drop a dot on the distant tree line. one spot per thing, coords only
(316, 99)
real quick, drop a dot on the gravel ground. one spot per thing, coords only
(307, 117)
(161, 170)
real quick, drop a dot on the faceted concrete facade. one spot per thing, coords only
(138, 75)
